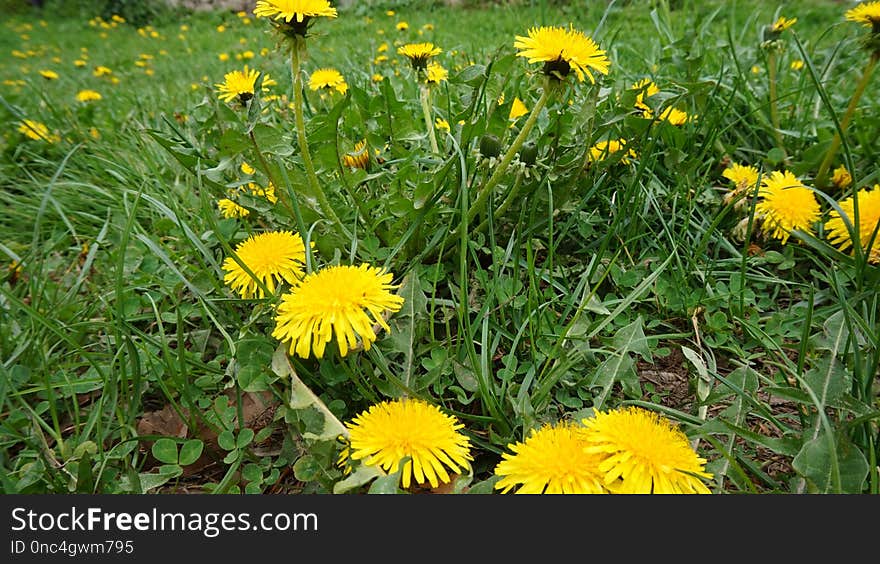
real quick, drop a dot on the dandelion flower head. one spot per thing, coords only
(517, 109)
(390, 431)
(419, 53)
(562, 50)
(867, 14)
(328, 79)
(337, 301)
(551, 460)
(273, 257)
(786, 205)
(644, 453)
(868, 226)
(238, 85)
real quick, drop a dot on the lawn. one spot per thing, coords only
(426, 249)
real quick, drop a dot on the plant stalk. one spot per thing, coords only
(425, 98)
(822, 176)
(299, 44)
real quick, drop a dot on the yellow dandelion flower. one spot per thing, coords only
(517, 109)
(273, 257)
(337, 301)
(786, 205)
(796, 65)
(359, 157)
(868, 226)
(867, 14)
(223, 57)
(435, 73)
(102, 71)
(402, 26)
(742, 176)
(382, 47)
(294, 16)
(562, 50)
(268, 192)
(675, 116)
(552, 460)
(221, 28)
(605, 149)
(782, 24)
(441, 124)
(247, 169)
(49, 74)
(230, 209)
(328, 79)
(645, 88)
(841, 178)
(644, 453)
(391, 431)
(79, 63)
(419, 53)
(87, 96)
(37, 131)
(756, 69)
(377, 77)
(238, 85)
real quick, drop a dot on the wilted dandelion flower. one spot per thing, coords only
(238, 85)
(49, 74)
(869, 223)
(517, 109)
(643, 453)
(841, 178)
(867, 14)
(604, 149)
(441, 124)
(390, 431)
(551, 460)
(37, 131)
(87, 96)
(419, 53)
(268, 192)
(293, 17)
(786, 205)
(337, 301)
(359, 157)
(230, 209)
(328, 79)
(435, 73)
(562, 50)
(273, 257)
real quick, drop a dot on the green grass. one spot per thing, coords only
(574, 288)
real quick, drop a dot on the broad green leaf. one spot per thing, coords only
(165, 450)
(190, 451)
(814, 462)
(829, 380)
(631, 338)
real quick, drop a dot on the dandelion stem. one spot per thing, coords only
(508, 201)
(822, 176)
(425, 96)
(299, 44)
(774, 109)
(484, 192)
